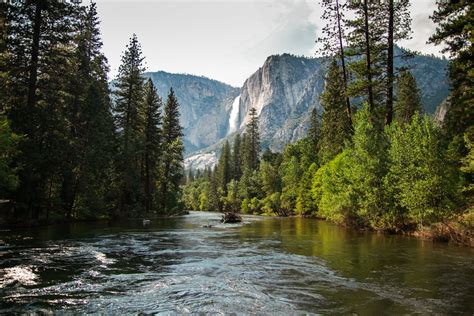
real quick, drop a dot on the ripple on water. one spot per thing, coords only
(23, 275)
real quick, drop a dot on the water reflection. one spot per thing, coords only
(266, 265)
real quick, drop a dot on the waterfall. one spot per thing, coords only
(234, 116)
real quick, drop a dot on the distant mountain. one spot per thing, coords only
(286, 88)
(284, 91)
(205, 106)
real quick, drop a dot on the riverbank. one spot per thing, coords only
(458, 231)
(8, 220)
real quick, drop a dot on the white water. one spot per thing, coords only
(234, 116)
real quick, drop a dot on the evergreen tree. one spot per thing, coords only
(252, 142)
(129, 115)
(335, 126)
(152, 148)
(408, 98)
(89, 153)
(8, 148)
(314, 133)
(366, 40)
(398, 28)
(236, 158)
(38, 49)
(454, 29)
(334, 41)
(173, 150)
(224, 168)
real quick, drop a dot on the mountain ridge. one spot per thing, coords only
(284, 90)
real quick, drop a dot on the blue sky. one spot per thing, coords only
(226, 40)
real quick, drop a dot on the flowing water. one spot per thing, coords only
(264, 266)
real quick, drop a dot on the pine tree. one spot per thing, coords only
(236, 158)
(8, 148)
(408, 98)
(224, 168)
(314, 132)
(366, 39)
(335, 127)
(173, 150)
(334, 40)
(252, 142)
(91, 144)
(129, 116)
(455, 20)
(398, 28)
(39, 45)
(152, 148)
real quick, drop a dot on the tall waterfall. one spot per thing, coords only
(234, 116)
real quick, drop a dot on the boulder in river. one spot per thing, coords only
(231, 217)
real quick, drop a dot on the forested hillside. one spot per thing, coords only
(372, 156)
(68, 151)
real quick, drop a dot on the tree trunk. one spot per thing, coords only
(32, 86)
(343, 64)
(389, 97)
(368, 57)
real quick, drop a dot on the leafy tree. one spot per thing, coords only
(271, 181)
(173, 150)
(408, 98)
(305, 204)
(350, 187)
(424, 185)
(333, 192)
(232, 201)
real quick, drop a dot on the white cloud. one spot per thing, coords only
(226, 40)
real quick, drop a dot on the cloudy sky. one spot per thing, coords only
(225, 40)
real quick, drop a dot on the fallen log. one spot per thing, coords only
(231, 217)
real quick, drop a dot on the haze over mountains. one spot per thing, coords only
(284, 91)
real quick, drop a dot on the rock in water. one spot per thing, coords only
(231, 217)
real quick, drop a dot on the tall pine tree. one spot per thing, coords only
(130, 121)
(173, 150)
(252, 142)
(408, 98)
(152, 146)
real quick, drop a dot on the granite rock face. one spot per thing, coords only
(284, 91)
(205, 106)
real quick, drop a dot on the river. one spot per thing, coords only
(263, 266)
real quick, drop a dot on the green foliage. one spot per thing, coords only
(335, 125)
(408, 98)
(332, 190)
(422, 182)
(8, 151)
(251, 142)
(305, 204)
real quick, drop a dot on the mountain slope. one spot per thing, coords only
(286, 88)
(204, 106)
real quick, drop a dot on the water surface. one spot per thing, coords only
(265, 266)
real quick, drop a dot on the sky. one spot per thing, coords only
(226, 40)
